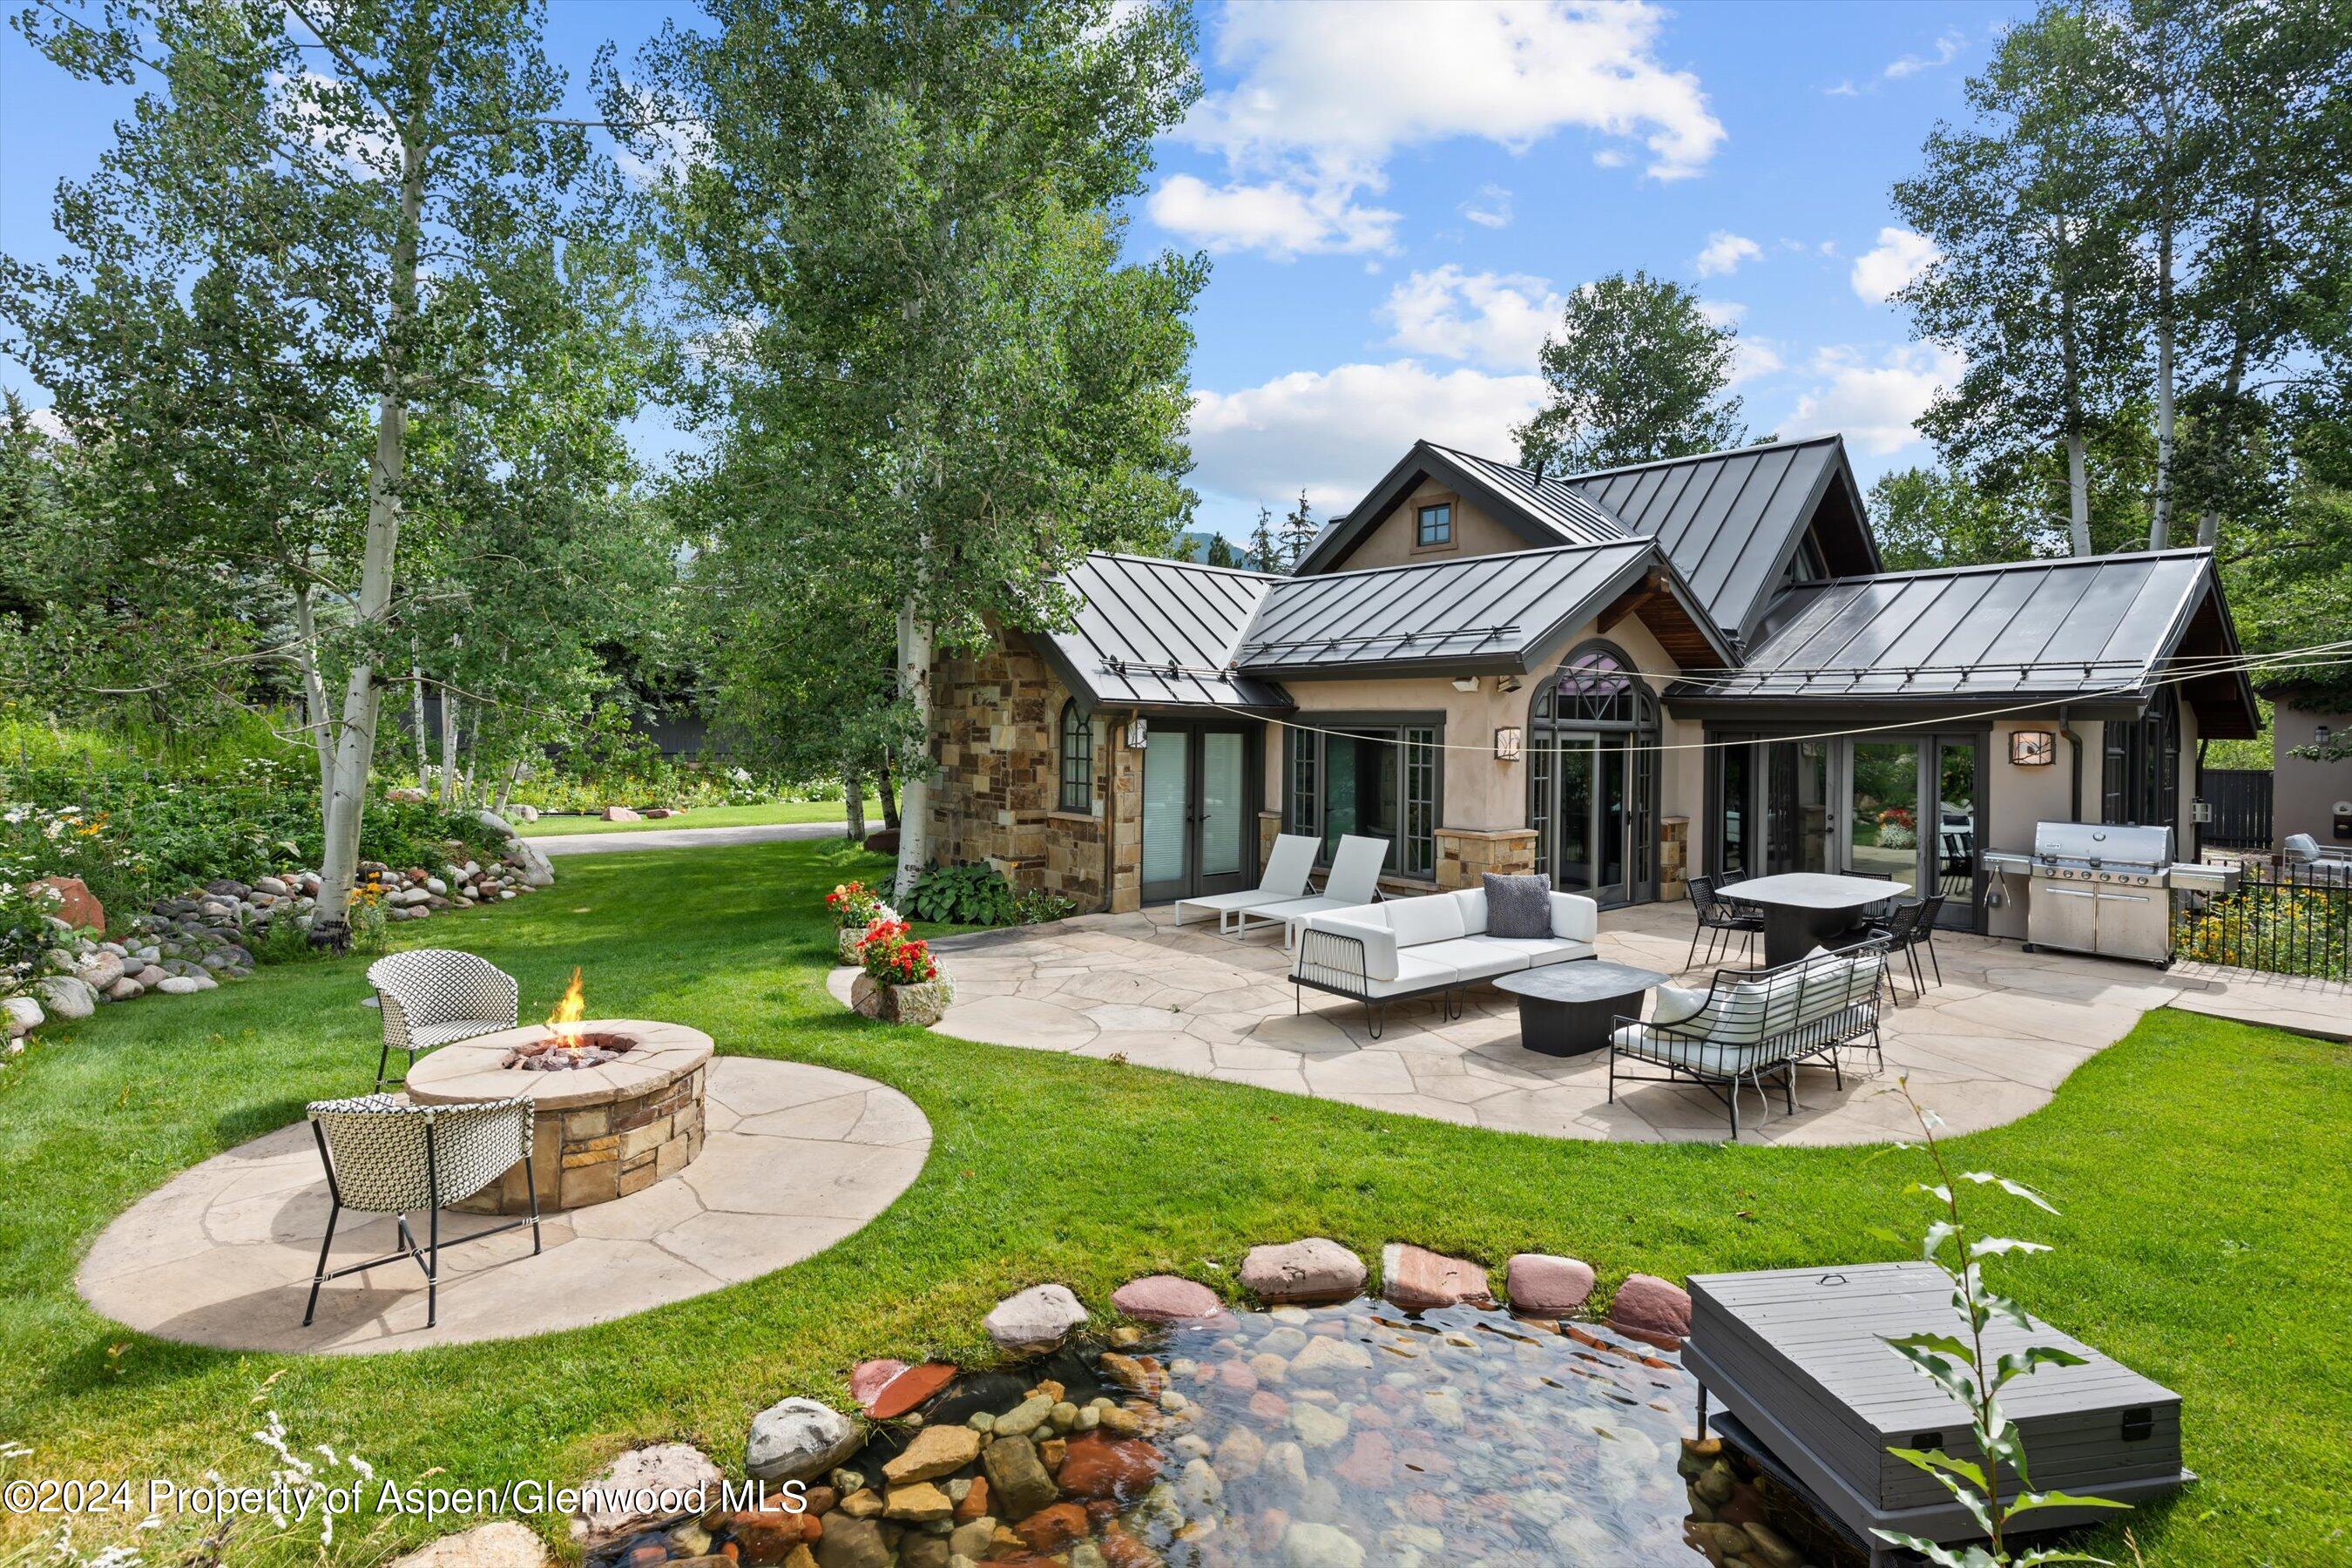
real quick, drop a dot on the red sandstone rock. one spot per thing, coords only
(1268, 1406)
(1650, 1309)
(1237, 1376)
(910, 1388)
(868, 1378)
(770, 1535)
(1371, 1462)
(1543, 1286)
(1121, 1550)
(1415, 1279)
(1166, 1299)
(1051, 1529)
(975, 1501)
(76, 905)
(1099, 1466)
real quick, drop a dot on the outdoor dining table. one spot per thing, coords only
(1803, 910)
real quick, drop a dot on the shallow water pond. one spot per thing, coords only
(1306, 1438)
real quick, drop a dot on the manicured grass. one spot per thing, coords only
(710, 816)
(2199, 1166)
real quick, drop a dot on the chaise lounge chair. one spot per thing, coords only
(1287, 870)
(1354, 882)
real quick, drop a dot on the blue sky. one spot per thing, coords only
(1396, 195)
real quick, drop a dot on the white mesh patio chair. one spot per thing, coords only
(384, 1156)
(1287, 870)
(1353, 883)
(433, 997)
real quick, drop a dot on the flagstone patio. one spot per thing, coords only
(1987, 1046)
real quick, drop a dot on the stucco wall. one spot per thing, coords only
(1391, 542)
(2304, 793)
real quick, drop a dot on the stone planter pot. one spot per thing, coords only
(845, 940)
(920, 1006)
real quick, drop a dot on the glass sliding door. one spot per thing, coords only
(1737, 792)
(1199, 830)
(1166, 813)
(1797, 816)
(1958, 812)
(1882, 820)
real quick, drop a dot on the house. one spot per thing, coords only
(1615, 679)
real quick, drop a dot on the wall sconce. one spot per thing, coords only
(1138, 734)
(2032, 748)
(2320, 734)
(1507, 743)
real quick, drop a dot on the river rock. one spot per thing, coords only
(936, 1451)
(1309, 1546)
(1318, 1427)
(852, 1544)
(1325, 1356)
(636, 1477)
(905, 1390)
(504, 1544)
(178, 985)
(797, 1440)
(1314, 1269)
(100, 968)
(1652, 1310)
(922, 1503)
(1098, 1464)
(1036, 1320)
(1017, 1481)
(68, 996)
(1417, 1278)
(1166, 1299)
(1543, 1286)
(24, 1014)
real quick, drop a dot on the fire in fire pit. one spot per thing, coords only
(568, 1045)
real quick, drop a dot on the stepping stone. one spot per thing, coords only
(1036, 1320)
(1543, 1286)
(1166, 1299)
(904, 1389)
(1652, 1310)
(1315, 1269)
(1415, 1279)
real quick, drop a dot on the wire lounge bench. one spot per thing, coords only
(1750, 1025)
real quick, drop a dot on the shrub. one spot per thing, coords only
(891, 954)
(27, 935)
(974, 895)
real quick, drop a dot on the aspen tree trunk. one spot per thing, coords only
(449, 745)
(2078, 494)
(416, 717)
(314, 687)
(853, 808)
(346, 797)
(915, 790)
(887, 788)
(2159, 511)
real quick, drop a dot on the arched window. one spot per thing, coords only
(1077, 759)
(1592, 737)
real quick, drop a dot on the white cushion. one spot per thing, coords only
(1473, 957)
(1417, 921)
(1380, 956)
(1576, 917)
(1474, 909)
(1676, 1003)
(1539, 951)
(1415, 973)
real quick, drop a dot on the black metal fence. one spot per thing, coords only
(2241, 799)
(2286, 920)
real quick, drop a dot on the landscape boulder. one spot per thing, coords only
(621, 813)
(638, 1476)
(76, 905)
(1652, 1310)
(1035, 1321)
(504, 1544)
(24, 1014)
(1542, 1286)
(1166, 1299)
(798, 1439)
(1314, 1269)
(1417, 1278)
(69, 996)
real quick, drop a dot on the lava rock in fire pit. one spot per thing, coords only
(558, 1056)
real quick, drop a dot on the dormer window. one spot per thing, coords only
(1433, 526)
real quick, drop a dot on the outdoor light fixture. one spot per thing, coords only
(1138, 734)
(2319, 733)
(1470, 683)
(2032, 748)
(1507, 743)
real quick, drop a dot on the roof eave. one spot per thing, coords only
(1422, 456)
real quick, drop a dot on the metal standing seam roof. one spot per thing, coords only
(2062, 627)
(1725, 519)
(1484, 609)
(1151, 631)
(1557, 503)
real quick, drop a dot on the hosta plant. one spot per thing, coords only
(1974, 1376)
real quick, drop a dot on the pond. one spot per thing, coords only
(1331, 1436)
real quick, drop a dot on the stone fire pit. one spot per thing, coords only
(598, 1132)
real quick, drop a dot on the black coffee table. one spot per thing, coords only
(1566, 1009)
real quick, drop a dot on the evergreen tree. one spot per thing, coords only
(1299, 531)
(1265, 556)
(1219, 553)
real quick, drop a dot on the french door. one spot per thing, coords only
(1905, 807)
(1589, 804)
(1199, 821)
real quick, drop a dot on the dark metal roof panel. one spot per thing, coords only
(1495, 607)
(1161, 632)
(2084, 627)
(1557, 503)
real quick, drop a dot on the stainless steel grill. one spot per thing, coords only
(2097, 888)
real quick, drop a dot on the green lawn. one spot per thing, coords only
(2200, 1165)
(710, 816)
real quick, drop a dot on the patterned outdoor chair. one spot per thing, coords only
(433, 997)
(384, 1156)
(1753, 1025)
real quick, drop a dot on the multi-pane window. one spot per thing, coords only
(1376, 781)
(1305, 802)
(2141, 779)
(1077, 759)
(1419, 848)
(1434, 524)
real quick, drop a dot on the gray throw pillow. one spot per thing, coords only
(1519, 905)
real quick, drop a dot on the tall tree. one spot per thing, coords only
(1219, 553)
(2032, 278)
(1636, 372)
(907, 223)
(1264, 554)
(1924, 517)
(386, 189)
(1299, 531)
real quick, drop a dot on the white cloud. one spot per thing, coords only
(1843, 89)
(1490, 208)
(1496, 318)
(1283, 220)
(1335, 431)
(1724, 253)
(1320, 102)
(1899, 257)
(1948, 49)
(1750, 356)
(1875, 407)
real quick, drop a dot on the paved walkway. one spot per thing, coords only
(794, 1159)
(686, 838)
(1987, 1046)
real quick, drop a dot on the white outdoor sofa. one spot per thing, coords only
(1433, 945)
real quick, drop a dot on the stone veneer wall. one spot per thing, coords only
(1674, 858)
(594, 1154)
(996, 717)
(1465, 855)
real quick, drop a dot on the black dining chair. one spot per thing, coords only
(1911, 927)
(1718, 920)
